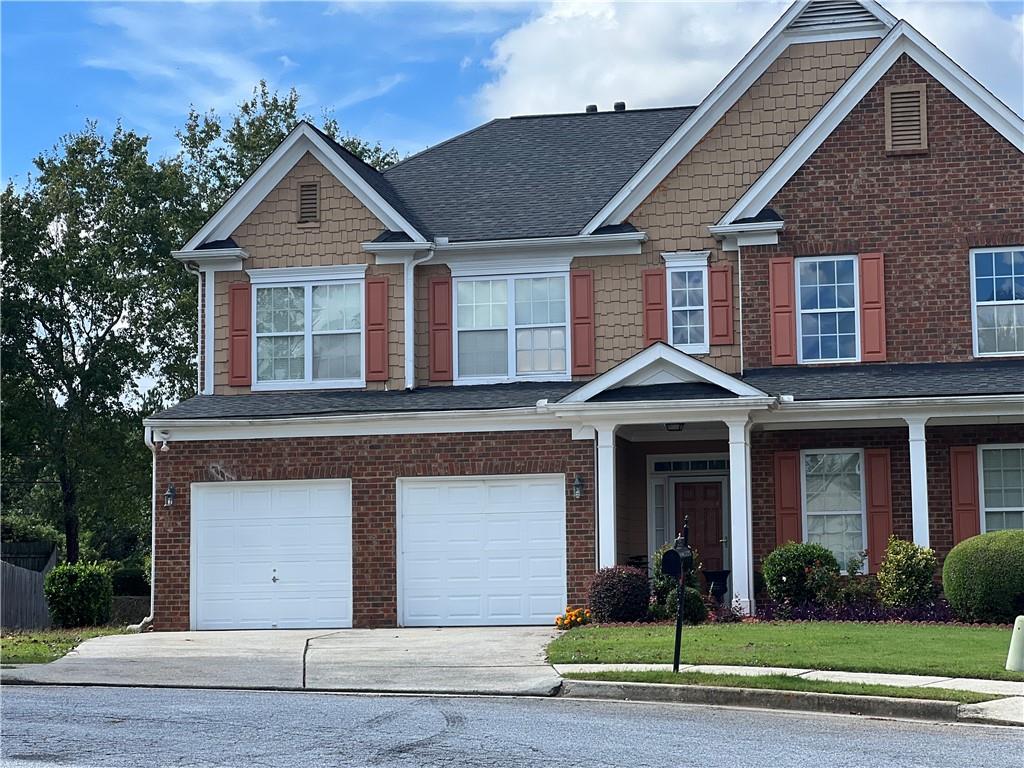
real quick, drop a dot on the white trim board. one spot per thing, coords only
(902, 39)
(301, 140)
(717, 103)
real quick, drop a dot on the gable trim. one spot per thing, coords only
(271, 171)
(660, 354)
(717, 103)
(903, 39)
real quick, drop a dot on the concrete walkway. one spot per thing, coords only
(492, 660)
(1008, 710)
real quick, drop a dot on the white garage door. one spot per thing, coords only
(272, 555)
(481, 550)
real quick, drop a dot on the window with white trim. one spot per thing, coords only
(997, 275)
(688, 308)
(511, 327)
(1002, 487)
(309, 334)
(827, 292)
(833, 501)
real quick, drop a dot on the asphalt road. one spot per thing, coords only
(44, 726)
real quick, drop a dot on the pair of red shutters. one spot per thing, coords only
(240, 331)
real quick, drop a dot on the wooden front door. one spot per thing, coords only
(702, 502)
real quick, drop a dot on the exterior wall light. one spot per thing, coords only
(577, 487)
(169, 495)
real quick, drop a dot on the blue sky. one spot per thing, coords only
(407, 74)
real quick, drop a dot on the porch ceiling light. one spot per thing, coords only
(577, 487)
(676, 426)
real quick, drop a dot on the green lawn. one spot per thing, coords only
(895, 648)
(784, 683)
(41, 646)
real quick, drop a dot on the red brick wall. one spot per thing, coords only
(373, 463)
(924, 212)
(763, 446)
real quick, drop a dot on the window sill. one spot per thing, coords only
(997, 355)
(843, 361)
(288, 386)
(471, 381)
(693, 349)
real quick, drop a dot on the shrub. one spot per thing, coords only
(798, 573)
(983, 577)
(621, 593)
(694, 609)
(130, 580)
(573, 617)
(906, 576)
(79, 594)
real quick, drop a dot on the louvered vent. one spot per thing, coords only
(833, 13)
(309, 203)
(906, 118)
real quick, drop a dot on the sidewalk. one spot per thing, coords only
(1005, 710)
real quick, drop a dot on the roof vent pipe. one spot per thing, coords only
(591, 108)
(620, 106)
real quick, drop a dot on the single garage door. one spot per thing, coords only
(272, 554)
(481, 550)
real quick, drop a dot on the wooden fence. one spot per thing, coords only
(22, 603)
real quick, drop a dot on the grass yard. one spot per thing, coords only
(784, 683)
(43, 645)
(895, 648)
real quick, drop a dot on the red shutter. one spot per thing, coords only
(720, 304)
(581, 300)
(872, 308)
(655, 312)
(377, 328)
(788, 509)
(781, 292)
(439, 302)
(239, 335)
(878, 485)
(963, 482)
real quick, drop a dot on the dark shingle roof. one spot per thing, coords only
(679, 391)
(538, 176)
(979, 377)
(215, 244)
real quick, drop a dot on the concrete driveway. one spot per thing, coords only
(484, 660)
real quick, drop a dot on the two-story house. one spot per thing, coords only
(447, 393)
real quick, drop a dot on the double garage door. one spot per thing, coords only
(471, 551)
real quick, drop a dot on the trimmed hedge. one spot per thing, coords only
(79, 594)
(906, 577)
(983, 577)
(621, 593)
(797, 573)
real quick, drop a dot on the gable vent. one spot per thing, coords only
(833, 13)
(906, 118)
(309, 203)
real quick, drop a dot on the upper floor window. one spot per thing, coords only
(1002, 487)
(998, 294)
(828, 323)
(309, 334)
(688, 300)
(834, 510)
(511, 327)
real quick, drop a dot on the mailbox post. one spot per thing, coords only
(677, 562)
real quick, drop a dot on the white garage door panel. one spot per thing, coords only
(482, 551)
(246, 534)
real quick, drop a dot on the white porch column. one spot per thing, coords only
(918, 479)
(606, 496)
(740, 524)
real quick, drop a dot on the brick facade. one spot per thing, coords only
(373, 463)
(924, 212)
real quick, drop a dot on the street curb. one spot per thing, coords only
(797, 701)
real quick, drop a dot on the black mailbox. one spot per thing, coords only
(672, 564)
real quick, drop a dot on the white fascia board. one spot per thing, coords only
(656, 354)
(682, 259)
(307, 274)
(903, 39)
(213, 259)
(412, 423)
(797, 414)
(302, 139)
(659, 411)
(397, 253)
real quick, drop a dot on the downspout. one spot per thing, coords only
(410, 318)
(147, 622)
(739, 286)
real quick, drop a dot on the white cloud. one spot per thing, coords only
(367, 92)
(287, 61)
(654, 54)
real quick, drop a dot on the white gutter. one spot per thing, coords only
(656, 409)
(900, 402)
(143, 625)
(525, 243)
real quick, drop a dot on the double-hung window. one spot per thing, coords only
(998, 292)
(308, 335)
(1002, 487)
(688, 300)
(826, 288)
(511, 328)
(833, 501)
